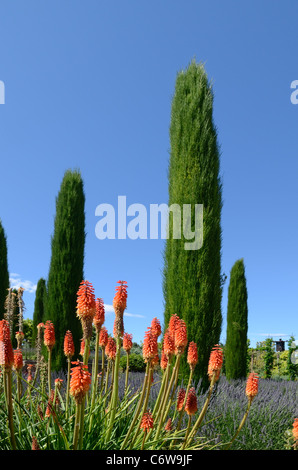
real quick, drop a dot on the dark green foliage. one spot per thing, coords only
(268, 357)
(237, 324)
(39, 305)
(66, 267)
(136, 363)
(192, 283)
(4, 275)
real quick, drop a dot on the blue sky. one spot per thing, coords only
(89, 86)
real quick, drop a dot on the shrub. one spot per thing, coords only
(136, 363)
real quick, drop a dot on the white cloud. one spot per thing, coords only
(16, 282)
(110, 308)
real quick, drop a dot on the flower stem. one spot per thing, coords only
(240, 425)
(10, 407)
(114, 398)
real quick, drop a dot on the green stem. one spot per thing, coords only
(127, 371)
(148, 388)
(49, 370)
(203, 412)
(67, 387)
(181, 412)
(102, 367)
(187, 432)
(138, 409)
(10, 407)
(77, 426)
(114, 398)
(241, 425)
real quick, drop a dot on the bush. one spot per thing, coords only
(136, 363)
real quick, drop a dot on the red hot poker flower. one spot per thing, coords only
(168, 344)
(164, 361)
(180, 336)
(192, 355)
(295, 431)
(155, 327)
(18, 359)
(120, 299)
(69, 348)
(111, 348)
(49, 335)
(174, 319)
(215, 362)
(80, 381)
(6, 351)
(252, 385)
(191, 405)
(150, 348)
(127, 342)
(103, 337)
(180, 399)
(86, 306)
(99, 317)
(147, 421)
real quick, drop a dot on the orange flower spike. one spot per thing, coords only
(215, 362)
(252, 385)
(164, 361)
(111, 348)
(18, 360)
(69, 348)
(180, 336)
(180, 399)
(150, 348)
(99, 317)
(6, 350)
(192, 355)
(120, 299)
(80, 381)
(35, 445)
(168, 344)
(103, 337)
(127, 342)
(174, 319)
(191, 405)
(295, 432)
(147, 422)
(168, 426)
(86, 306)
(155, 327)
(49, 335)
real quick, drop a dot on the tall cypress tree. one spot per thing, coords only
(192, 282)
(4, 274)
(66, 266)
(39, 306)
(237, 324)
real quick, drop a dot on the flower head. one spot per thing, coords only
(174, 319)
(168, 426)
(180, 399)
(18, 359)
(215, 362)
(80, 381)
(49, 335)
(103, 337)
(6, 351)
(35, 445)
(69, 348)
(150, 348)
(168, 344)
(180, 336)
(111, 348)
(191, 405)
(295, 431)
(147, 421)
(120, 299)
(155, 327)
(99, 317)
(127, 342)
(252, 384)
(86, 306)
(58, 383)
(192, 355)
(164, 361)
(20, 338)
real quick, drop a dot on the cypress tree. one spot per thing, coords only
(39, 306)
(4, 275)
(66, 266)
(192, 281)
(237, 324)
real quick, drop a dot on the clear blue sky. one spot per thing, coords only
(89, 85)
